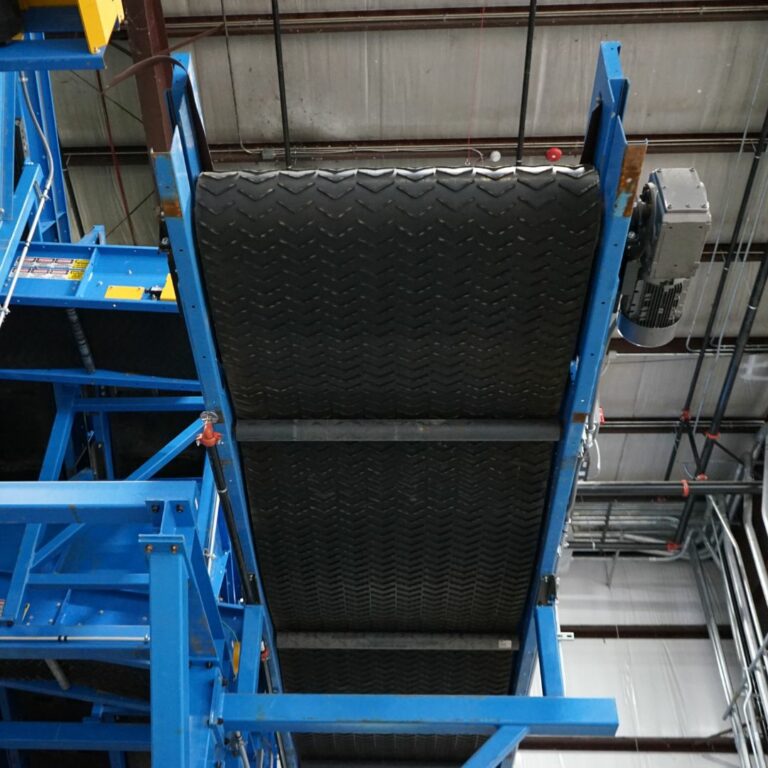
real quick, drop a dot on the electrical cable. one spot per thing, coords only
(526, 82)
(278, 36)
(44, 195)
(232, 82)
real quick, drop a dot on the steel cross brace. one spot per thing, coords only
(346, 713)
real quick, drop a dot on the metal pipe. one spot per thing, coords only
(394, 430)
(241, 750)
(247, 579)
(737, 629)
(727, 262)
(730, 379)
(277, 32)
(83, 347)
(58, 674)
(526, 81)
(74, 638)
(679, 488)
(717, 646)
(750, 622)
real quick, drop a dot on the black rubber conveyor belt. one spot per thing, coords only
(438, 294)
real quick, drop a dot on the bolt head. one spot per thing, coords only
(174, 549)
(149, 549)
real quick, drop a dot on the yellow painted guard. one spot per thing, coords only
(98, 17)
(169, 292)
(129, 292)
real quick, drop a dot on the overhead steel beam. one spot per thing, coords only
(661, 426)
(641, 631)
(641, 744)
(684, 346)
(616, 489)
(667, 143)
(505, 16)
(145, 25)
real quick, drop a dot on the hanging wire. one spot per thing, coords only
(240, 141)
(476, 90)
(526, 81)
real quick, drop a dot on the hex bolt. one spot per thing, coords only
(174, 549)
(149, 549)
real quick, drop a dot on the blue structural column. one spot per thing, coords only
(176, 173)
(169, 656)
(619, 166)
(550, 664)
(53, 461)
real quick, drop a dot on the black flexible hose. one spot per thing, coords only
(247, 579)
(526, 82)
(281, 81)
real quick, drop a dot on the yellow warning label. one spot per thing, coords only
(75, 274)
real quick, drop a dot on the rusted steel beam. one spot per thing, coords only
(307, 151)
(146, 30)
(575, 14)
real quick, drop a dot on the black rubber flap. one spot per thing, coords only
(454, 293)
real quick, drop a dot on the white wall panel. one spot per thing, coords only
(640, 592)
(662, 687)
(537, 759)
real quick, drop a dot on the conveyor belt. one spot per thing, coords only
(448, 293)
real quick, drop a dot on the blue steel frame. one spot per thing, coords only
(159, 549)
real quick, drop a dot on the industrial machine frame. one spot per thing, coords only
(177, 607)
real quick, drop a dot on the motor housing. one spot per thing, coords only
(669, 227)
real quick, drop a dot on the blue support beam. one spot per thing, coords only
(550, 663)
(346, 713)
(80, 693)
(89, 737)
(167, 453)
(103, 503)
(250, 649)
(619, 166)
(7, 143)
(169, 656)
(48, 55)
(99, 378)
(139, 404)
(54, 220)
(11, 231)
